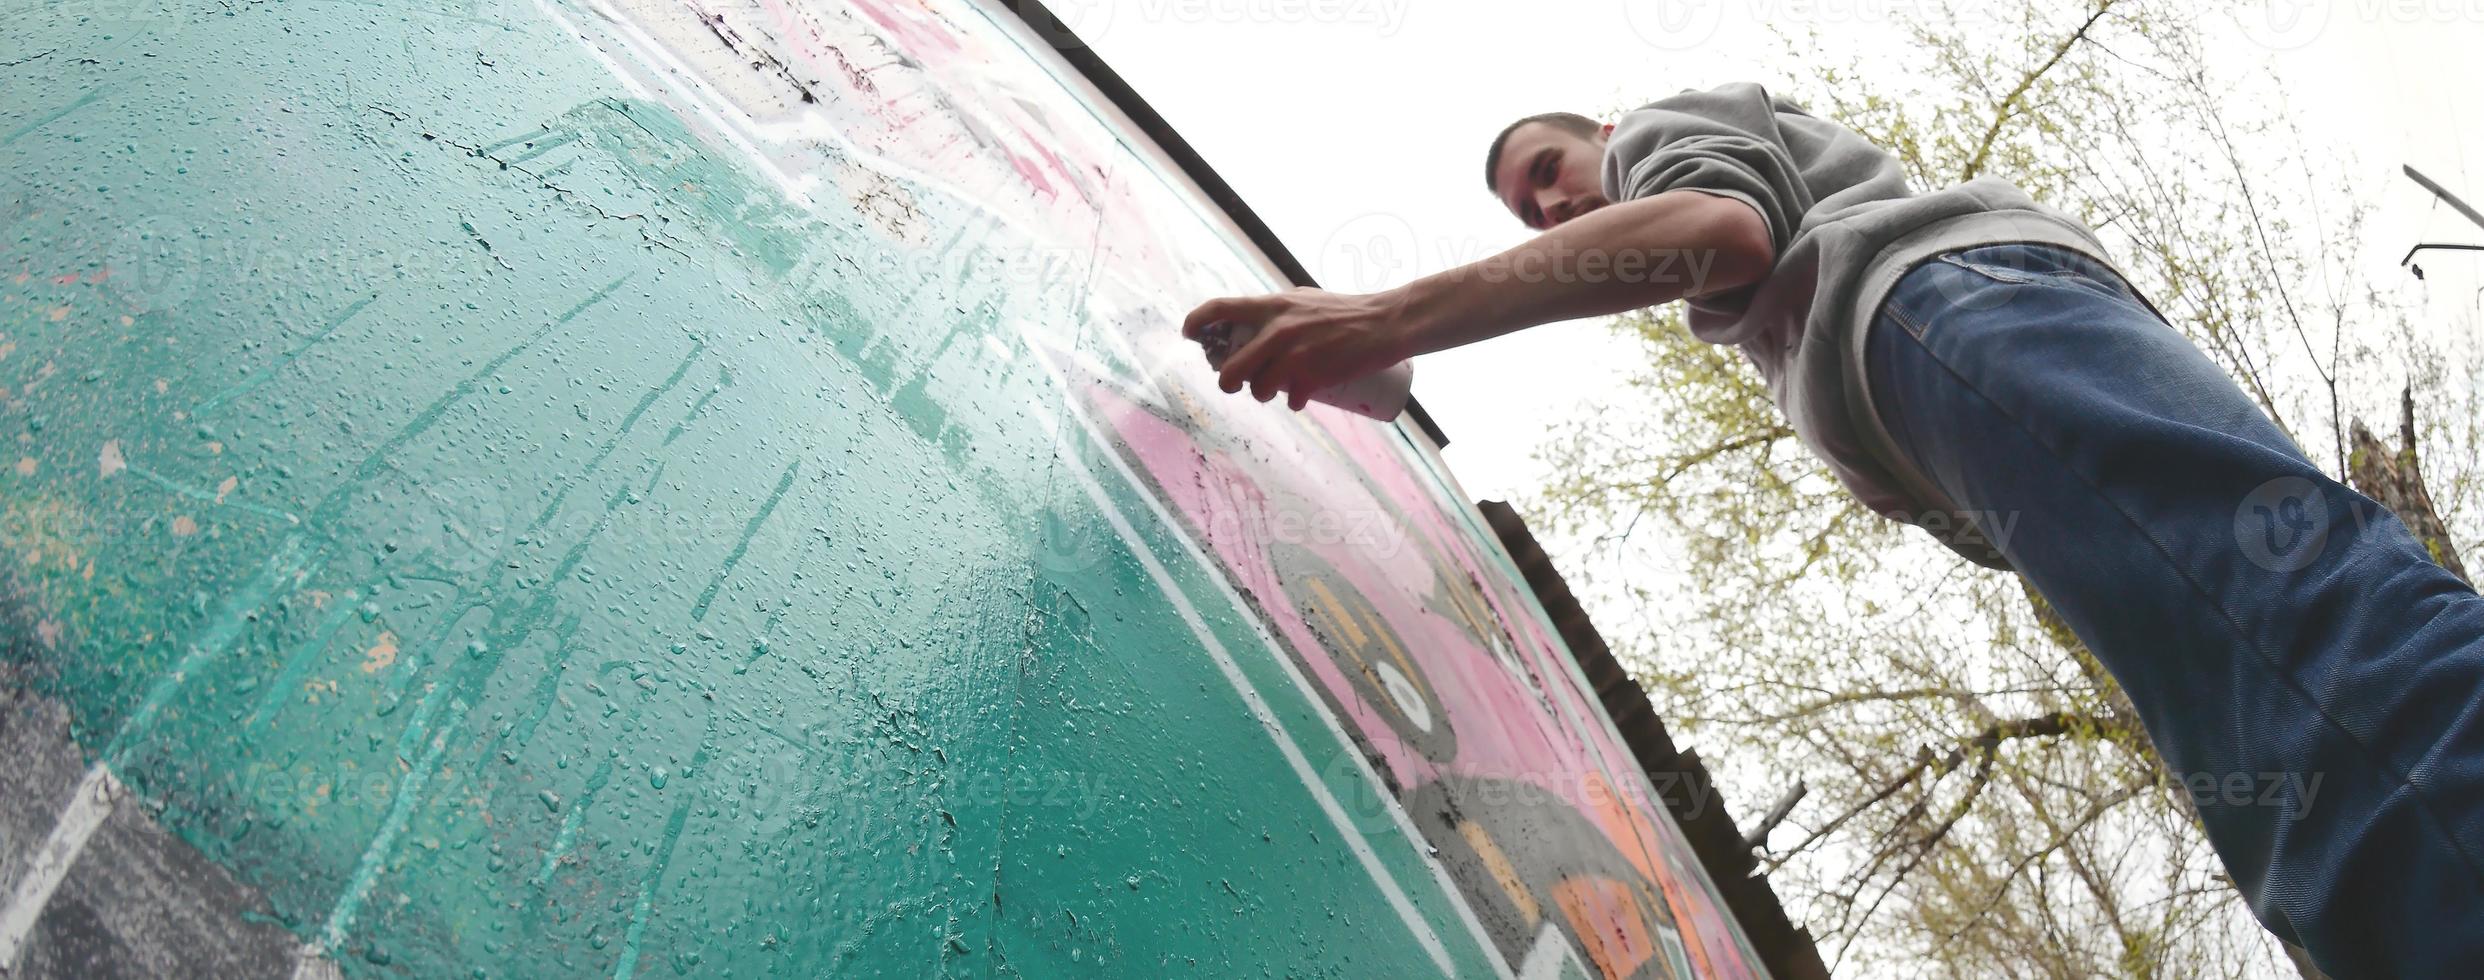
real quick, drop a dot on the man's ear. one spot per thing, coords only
(1606, 132)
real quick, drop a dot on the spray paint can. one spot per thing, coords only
(1381, 394)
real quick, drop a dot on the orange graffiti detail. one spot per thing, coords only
(1503, 871)
(1620, 822)
(1696, 943)
(1632, 832)
(1607, 917)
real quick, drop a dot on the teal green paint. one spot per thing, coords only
(512, 373)
(409, 792)
(628, 422)
(204, 494)
(51, 117)
(628, 965)
(707, 595)
(259, 376)
(288, 679)
(547, 687)
(430, 414)
(217, 639)
(568, 834)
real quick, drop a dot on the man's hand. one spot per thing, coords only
(1619, 257)
(1308, 339)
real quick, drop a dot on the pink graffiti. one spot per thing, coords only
(905, 81)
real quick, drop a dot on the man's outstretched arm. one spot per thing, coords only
(1617, 258)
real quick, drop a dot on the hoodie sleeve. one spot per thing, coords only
(1724, 142)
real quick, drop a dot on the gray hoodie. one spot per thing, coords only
(1846, 226)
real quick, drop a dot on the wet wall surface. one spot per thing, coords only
(576, 488)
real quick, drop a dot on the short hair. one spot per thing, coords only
(1568, 122)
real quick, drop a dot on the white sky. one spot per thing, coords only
(1356, 129)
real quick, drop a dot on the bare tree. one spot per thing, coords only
(1983, 799)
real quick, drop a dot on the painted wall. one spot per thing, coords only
(566, 487)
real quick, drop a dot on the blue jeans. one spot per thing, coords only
(2310, 677)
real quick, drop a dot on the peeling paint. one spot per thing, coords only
(381, 655)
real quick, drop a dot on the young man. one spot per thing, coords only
(1968, 361)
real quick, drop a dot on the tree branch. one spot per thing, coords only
(2060, 840)
(2396, 479)
(1987, 741)
(2009, 108)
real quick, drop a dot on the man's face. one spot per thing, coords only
(1548, 175)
